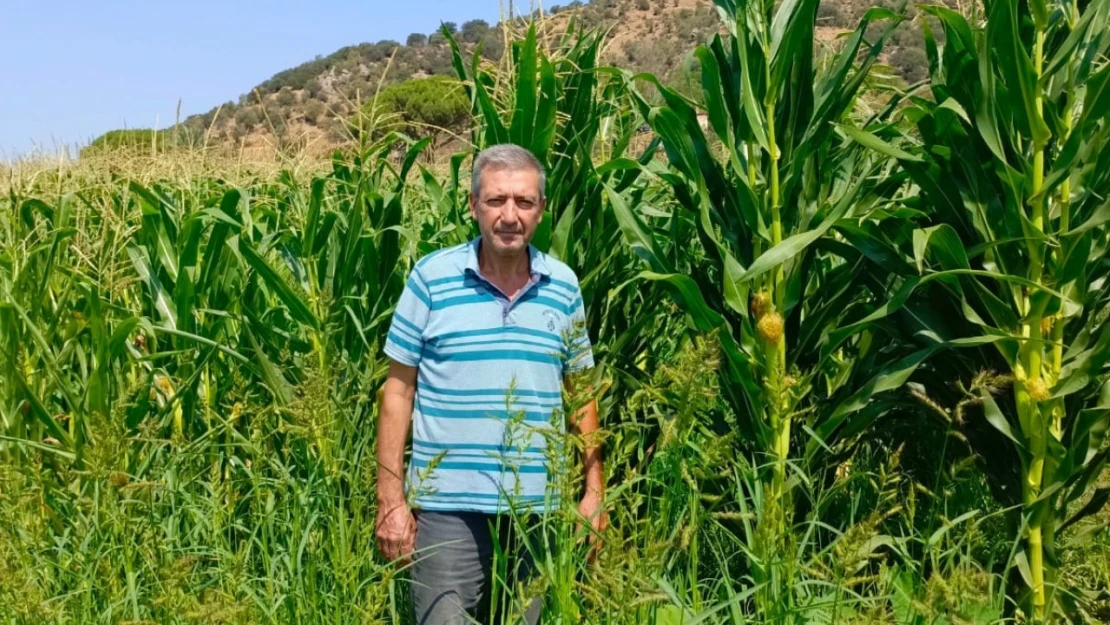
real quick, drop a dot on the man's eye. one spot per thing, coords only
(525, 204)
(495, 202)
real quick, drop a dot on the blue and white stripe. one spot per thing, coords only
(489, 379)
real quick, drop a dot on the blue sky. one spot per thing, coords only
(71, 70)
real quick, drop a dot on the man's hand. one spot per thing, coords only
(592, 509)
(396, 532)
(395, 528)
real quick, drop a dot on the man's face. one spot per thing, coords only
(508, 208)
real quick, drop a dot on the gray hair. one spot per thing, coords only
(505, 156)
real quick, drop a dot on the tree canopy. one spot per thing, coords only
(423, 103)
(474, 30)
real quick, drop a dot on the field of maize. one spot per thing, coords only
(853, 341)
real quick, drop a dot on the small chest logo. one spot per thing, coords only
(550, 316)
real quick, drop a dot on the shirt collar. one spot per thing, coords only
(537, 260)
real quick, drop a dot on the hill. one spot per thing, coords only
(309, 106)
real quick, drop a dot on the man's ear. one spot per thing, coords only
(473, 201)
(543, 209)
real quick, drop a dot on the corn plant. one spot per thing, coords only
(1010, 161)
(195, 270)
(159, 337)
(764, 191)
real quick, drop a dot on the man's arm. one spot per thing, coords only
(396, 528)
(585, 423)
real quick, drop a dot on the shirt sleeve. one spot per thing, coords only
(580, 354)
(405, 341)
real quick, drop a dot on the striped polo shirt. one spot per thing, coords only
(489, 379)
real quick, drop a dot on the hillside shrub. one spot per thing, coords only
(911, 62)
(829, 14)
(248, 116)
(140, 139)
(314, 111)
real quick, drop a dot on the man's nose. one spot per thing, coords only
(509, 211)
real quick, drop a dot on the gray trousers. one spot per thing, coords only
(453, 581)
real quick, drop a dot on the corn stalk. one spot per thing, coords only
(773, 194)
(1013, 168)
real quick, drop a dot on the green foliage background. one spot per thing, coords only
(189, 361)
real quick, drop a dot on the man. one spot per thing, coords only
(480, 350)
